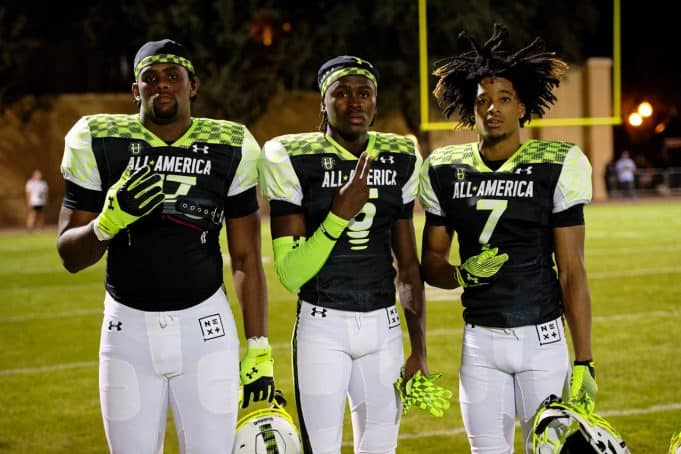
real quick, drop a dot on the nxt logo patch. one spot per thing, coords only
(460, 174)
(548, 333)
(117, 326)
(211, 327)
(135, 148)
(393, 317)
(328, 162)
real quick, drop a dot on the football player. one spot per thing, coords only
(513, 205)
(154, 189)
(341, 208)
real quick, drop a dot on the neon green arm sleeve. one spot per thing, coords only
(298, 261)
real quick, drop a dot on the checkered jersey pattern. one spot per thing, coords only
(217, 131)
(118, 125)
(393, 143)
(128, 126)
(314, 143)
(542, 151)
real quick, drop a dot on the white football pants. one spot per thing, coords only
(354, 354)
(188, 359)
(507, 373)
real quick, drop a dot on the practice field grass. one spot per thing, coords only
(50, 322)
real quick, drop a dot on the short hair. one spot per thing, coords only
(533, 71)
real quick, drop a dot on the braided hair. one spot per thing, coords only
(532, 70)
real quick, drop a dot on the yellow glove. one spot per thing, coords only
(257, 372)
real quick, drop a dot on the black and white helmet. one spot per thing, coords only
(561, 428)
(267, 431)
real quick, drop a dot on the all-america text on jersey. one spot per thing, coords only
(175, 164)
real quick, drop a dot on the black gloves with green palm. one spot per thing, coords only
(134, 195)
(480, 269)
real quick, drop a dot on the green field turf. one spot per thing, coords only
(50, 321)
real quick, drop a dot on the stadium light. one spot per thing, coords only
(645, 109)
(635, 119)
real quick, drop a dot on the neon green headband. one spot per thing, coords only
(163, 58)
(342, 72)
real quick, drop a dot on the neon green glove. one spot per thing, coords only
(480, 269)
(583, 387)
(134, 195)
(422, 392)
(257, 372)
(675, 444)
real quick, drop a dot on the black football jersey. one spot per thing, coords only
(171, 258)
(301, 173)
(511, 208)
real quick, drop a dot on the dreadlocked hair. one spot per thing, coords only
(532, 70)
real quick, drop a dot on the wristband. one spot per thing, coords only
(100, 234)
(333, 226)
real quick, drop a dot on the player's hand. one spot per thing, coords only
(257, 375)
(422, 392)
(355, 193)
(480, 269)
(134, 195)
(583, 387)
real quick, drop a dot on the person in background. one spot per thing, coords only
(341, 207)
(36, 198)
(514, 206)
(154, 189)
(626, 169)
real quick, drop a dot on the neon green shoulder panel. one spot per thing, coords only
(450, 154)
(118, 125)
(209, 130)
(305, 143)
(393, 143)
(541, 151)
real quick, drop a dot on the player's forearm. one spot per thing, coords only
(578, 313)
(251, 290)
(298, 261)
(412, 299)
(438, 272)
(79, 248)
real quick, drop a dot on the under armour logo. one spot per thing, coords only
(203, 237)
(527, 170)
(387, 159)
(472, 279)
(113, 325)
(317, 311)
(196, 148)
(252, 373)
(111, 207)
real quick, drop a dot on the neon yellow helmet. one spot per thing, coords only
(562, 428)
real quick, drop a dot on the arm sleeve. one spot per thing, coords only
(297, 260)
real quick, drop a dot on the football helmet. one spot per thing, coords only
(562, 428)
(267, 431)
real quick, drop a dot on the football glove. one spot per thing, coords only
(583, 387)
(134, 195)
(675, 444)
(422, 392)
(257, 375)
(480, 269)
